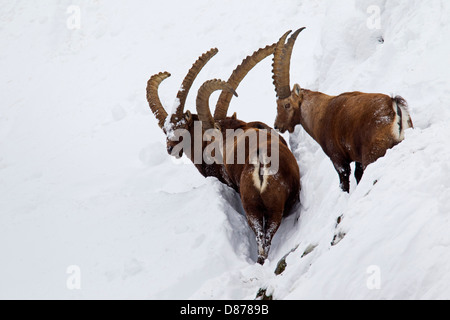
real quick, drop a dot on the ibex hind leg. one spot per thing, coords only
(272, 224)
(255, 210)
(359, 172)
(256, 223)
(264, 227)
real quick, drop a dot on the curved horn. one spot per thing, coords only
(188, 81)
(281, 87)
(287, 54)
(237, 76)
(282, 64)
(205, 91)
(153, 97)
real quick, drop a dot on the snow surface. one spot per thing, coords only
(85, 179)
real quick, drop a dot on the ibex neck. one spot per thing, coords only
(312, 110)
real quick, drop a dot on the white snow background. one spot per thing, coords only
(85, 179)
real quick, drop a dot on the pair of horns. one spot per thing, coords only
(282, 52)
(205, 91)
(282, 64)
(229, 89)
(154, 82)
(237, 76)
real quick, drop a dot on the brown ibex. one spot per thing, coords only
(180, 120)
(351, 127)
(265, 198)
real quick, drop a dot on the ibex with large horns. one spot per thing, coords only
(265, 196)
(180, 119)
(351, 127)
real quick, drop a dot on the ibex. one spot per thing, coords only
(265, 198)
(351, 127)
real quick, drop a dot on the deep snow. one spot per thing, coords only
(85, 179)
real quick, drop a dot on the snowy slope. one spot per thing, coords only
(85, 179)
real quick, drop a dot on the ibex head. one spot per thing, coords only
(185, 120)
(288, 102)
(180, 119)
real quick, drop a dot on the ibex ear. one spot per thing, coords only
(234, 117)
(297, 90)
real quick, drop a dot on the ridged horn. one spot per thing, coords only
(282, 64)
(205, 91)
(153, 97)
(237, 76)
(189, 80)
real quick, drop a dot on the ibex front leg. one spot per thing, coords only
(343, 169)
